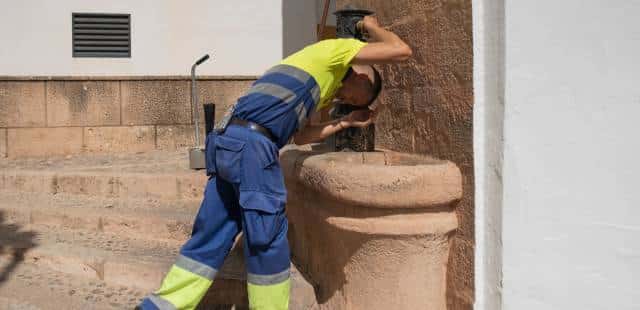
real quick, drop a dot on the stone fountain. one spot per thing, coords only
(371, 230)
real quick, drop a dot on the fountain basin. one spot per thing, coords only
(371, 230)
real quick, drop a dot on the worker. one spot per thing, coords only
(245, 191)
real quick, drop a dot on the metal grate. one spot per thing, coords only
(101, 35)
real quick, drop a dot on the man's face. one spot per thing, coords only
(356, 90)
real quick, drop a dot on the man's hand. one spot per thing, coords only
(358, 118)
(384, 46)
(370, 22)
(318, 132)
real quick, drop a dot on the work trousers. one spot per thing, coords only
(245, 192)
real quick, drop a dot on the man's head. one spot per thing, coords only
(360, 86)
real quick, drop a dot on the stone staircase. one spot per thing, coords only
(100, 232)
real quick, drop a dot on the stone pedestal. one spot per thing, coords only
(372, 230)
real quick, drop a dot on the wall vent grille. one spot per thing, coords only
(101, 35)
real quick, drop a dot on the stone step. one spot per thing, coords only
(114, 259)
(103, 259)
(111, 220)
(157, 175)
(144, 218)
(118, 258)
(30, 286)
(186, 186)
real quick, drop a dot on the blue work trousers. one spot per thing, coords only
(245, 192)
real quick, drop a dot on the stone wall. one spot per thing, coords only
(428, 106)
(59, 116)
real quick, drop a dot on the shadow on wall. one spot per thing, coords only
(299, 22)
(14, 244)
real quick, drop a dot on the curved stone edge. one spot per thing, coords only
(421, 224)
(375, 187)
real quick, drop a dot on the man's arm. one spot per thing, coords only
(384, 46)
(318, 132)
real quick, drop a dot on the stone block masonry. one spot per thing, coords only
(427, 107)
(83, 103)
(3, 142)
(156, 102)
(43, 142)
(22, 104)
(121, 139)
(60, 116)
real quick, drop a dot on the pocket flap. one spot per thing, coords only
(255, 200)
(229, 143)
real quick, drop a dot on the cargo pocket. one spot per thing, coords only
(228, 154)
(262, 217)
(271, 177)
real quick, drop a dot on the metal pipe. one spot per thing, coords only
(194, 98)
(352, 139)
(323, 21)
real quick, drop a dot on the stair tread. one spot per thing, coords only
(155, 162)
(105, 205)
(105, 245)
(156, 219)
(33, 287)
(112, 257)
(159, 175)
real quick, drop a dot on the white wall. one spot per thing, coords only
(488, 118)
(571, 213)
(244, 37)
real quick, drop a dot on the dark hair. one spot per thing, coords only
(377, 86)
(347, 74)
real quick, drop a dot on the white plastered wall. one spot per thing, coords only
(570, 222)
(244, 37)
(488, 116)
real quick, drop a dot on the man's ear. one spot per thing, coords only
(362, 77)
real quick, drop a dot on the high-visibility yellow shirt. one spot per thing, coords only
(327, 62)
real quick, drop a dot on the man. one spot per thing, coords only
(246, 191)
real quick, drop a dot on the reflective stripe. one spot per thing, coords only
(273, 90)
(286, 95)
(315, 94)
(291, 71)
(259, 279)
(196, 267)
(161, 303)
(300, 75)
(224, 122)
(301, 109)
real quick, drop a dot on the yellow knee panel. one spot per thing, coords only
(269, 297)
(183, 288)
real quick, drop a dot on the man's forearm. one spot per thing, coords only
(319, 132)
(379, 34)
(384, 46)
